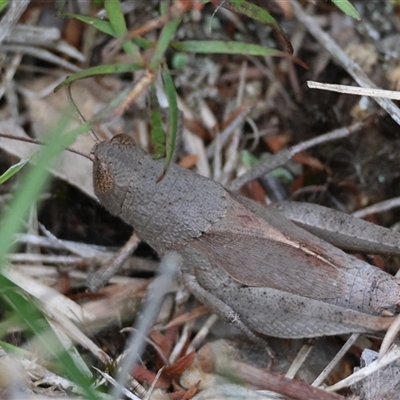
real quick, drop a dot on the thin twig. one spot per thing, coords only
(329, 368)
(356, 90)
(377, 208)
(390, 336)
(111, 380)
(15, 10)
(202, 333)
(100, 278)
(283, 156)
(79, 114)
(301, 357)
(228, 131)
(362, 373)
(272, 381)
(350, 66)
(169, 265)
(40, 143)
(40, 53)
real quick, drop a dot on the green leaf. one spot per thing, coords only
(253, 11)
(259, 14)
(347, 8)
(99, 24)
(163, 42)
(180, 60)
(219, 46)
(157, 130)
(15, 349)
(106, 27)
(173, 115)
(13, 170)
(118, 68)
(117, 21)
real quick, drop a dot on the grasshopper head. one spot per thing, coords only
(114, 164)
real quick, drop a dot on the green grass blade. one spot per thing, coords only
(13, 170)
(163, 42)
(253, 11)
(157, 130)
(3, 3)
(28, 192)
(34, 321)
(221, 47)
(347, 8)
(173, 115)
(259, 14)
(106, 27)
(117, 21)
(32, 185)
(118, 68)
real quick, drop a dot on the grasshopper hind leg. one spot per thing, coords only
(219, 307)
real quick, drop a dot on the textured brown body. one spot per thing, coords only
(249, 264)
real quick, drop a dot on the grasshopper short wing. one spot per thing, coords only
(269, 251)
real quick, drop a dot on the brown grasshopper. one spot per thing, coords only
(248, 264)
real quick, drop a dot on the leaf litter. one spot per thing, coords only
(225, 100)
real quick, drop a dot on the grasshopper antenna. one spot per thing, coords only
(38, 142)
(79, 114)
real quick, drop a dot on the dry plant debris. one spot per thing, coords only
(236, 110)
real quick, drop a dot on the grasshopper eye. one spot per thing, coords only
(123, 139)
(103, 177)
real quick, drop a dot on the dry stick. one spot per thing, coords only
(362, 373)
(10, 71)
(16, 8)
(329, 368)
(301, 357)
(40, 143)
(151, 342)
(390, 336)
(111, 380)
(272, 381)
(25, 258)
(41, 54)
(170, 264)
(378, 207)
(359, 91)
(350, 66)
(100, 278)
(153, 385)
(202, 333)
(79, 114)
(283, 156)
(224, 136)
